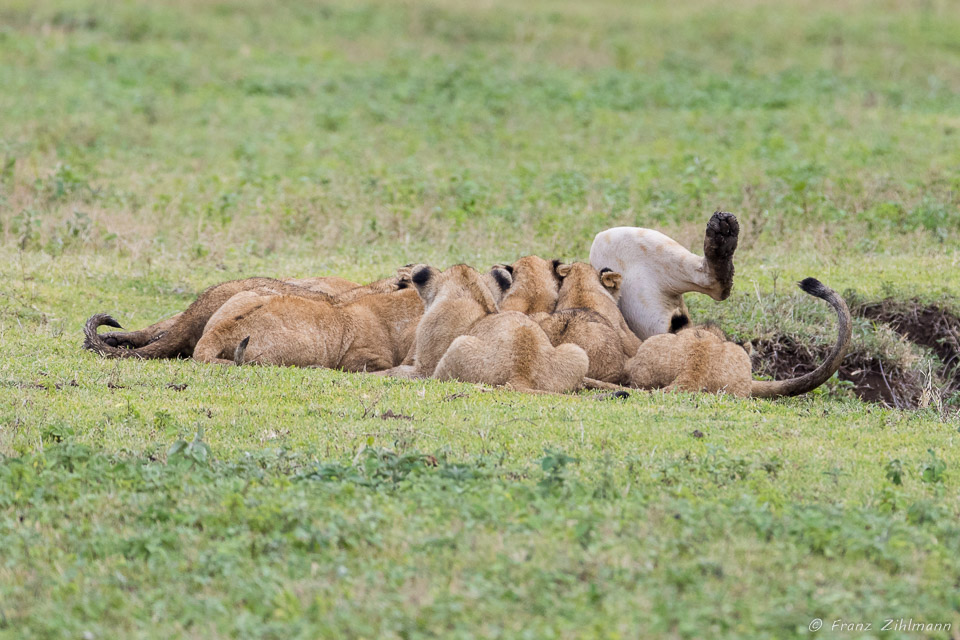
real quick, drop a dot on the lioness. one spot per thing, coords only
(702, 359)
(176, 336)
(657, 271)
(372, 333)
(329, 285)
(463, 336)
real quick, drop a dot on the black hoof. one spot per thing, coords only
(719, 245)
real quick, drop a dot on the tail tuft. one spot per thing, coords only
(814, 287)
(91, 340)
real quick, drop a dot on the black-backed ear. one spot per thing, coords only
(560, 269)
(509, 268)
(678, 322)
(556, 262)
(503, 277)
(421, 275)
(605, 270)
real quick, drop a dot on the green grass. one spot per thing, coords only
(149, 149)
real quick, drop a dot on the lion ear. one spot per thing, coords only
(421, 274)
(503, 278)
(610, 280)
(562, 270)
(404, 274)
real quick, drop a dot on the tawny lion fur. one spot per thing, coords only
(702, 359)
(580, 290)
(372, 333)
(178, 335)
(586, 327)
(463, 336)
(535, 286)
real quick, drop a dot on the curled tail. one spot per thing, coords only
(182, 335)
(812, 380)
(92, 340)
(171, 344)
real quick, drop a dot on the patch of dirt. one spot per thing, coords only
(875, 379)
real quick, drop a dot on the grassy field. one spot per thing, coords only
(150, 149)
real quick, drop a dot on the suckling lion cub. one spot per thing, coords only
(463, 336)
(178, 335)
(702, 359)
(580, 291)
(585, 326)
(534, 288)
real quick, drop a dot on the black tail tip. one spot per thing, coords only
(814, 287)
(101, 319)
(615, 395)
(245, 342)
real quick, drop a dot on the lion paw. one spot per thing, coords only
(719, 245)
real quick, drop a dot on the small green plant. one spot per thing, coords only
(894, 472)
(196, 452)
(554, 465)
(934, 469)
(57, 432)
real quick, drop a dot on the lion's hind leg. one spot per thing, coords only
(466, 360)
(561, 369)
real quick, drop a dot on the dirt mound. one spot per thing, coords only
(927, 325)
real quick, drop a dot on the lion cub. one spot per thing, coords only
(702, 359)
(535, 286)
(584, 326)
(372, 333)
(463, 336)
(579, 290)
(693, 359)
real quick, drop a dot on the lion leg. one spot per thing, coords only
(591, 383)
(403, 371)
(136, 339)
(366, 362)
(711, 274)
(212, 348)
(563, 370)
(657, 271)
(464, 361)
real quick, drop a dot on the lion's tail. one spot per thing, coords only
(812, 380)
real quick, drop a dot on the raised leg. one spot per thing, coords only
(657, 271)
(719, 244)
